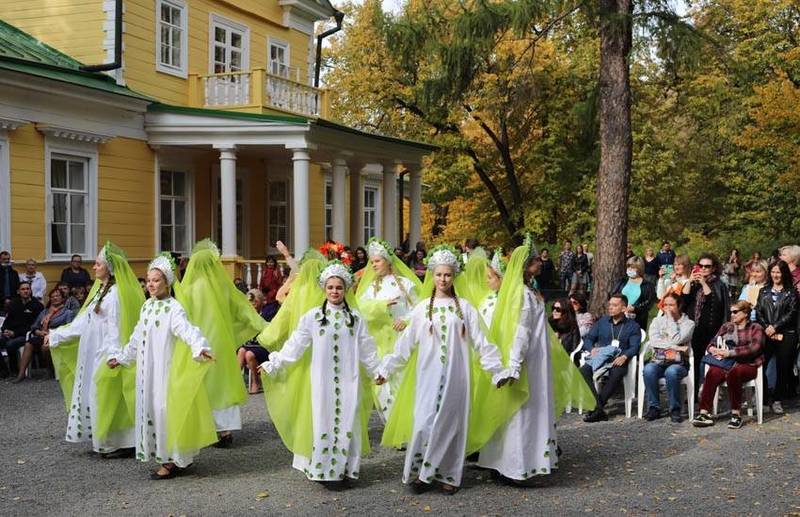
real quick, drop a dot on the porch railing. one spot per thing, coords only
(255, 89)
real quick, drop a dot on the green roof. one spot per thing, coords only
(21, 52)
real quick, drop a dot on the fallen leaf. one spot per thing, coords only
(426, 508)
(262, 495)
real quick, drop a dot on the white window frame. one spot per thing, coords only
(328, 205)
(215, 21)
(180, 71)
(274, 42)
(376, 210)
(5, 193)
(188, 187)
(77, 150)
(287, 204)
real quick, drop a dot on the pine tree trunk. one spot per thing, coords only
(616, 142)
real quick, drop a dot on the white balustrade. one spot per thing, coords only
(231, 89)
(292, 96)
(234, 89)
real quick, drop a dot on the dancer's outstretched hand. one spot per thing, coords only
(207, 355)
(112, 363)
(380, 381)
(503, 382)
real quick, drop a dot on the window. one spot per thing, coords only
(173, 212)
(370, 212)
(69, 205)
(278, 213)
(328, 210)
(228, 46)
(239, 217)
(171, 37)
(278, 58)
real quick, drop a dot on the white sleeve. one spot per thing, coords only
(70, 331)
(412, 294)
(182, 328)
(490, 358)
(293, 349)
(367, 351)
(128, 354)
(403, 348)
(522, 336)
(110, 307)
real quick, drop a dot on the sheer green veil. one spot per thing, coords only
(473, 285)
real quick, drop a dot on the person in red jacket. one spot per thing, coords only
(271, 280)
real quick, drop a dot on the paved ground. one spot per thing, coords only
(620, 467)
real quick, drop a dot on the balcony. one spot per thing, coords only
(254, 91)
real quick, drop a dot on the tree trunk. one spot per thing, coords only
(616, 142)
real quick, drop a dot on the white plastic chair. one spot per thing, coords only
(629, 382)
(687, 381)
(758, 394)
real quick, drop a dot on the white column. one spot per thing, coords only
(227, 195)
(415, 210)
(338, 186)
(356, 205)
(300, 205)
(389, 212)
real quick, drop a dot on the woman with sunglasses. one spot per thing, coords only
(562, 321)
(584, 318)
(707, 303)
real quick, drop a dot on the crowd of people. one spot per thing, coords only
(454, 347)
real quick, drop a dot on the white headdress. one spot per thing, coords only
(444, 256)
(380, 248)
(165, 264)
(336, 269)
(497, 263)
(105, 259)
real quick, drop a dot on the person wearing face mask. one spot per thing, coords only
(9, 278)
(640, 292)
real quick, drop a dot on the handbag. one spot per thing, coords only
(667, 356)
(726, 363)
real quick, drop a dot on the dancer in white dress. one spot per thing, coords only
(494, 279)
(98, 328)
(152, 347)
(339, 352)
(432, 413)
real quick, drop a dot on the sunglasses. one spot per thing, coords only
(735, 311)
(557, 309)
(706, 266)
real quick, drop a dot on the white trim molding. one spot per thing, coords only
(109, 28)
(73, 134)
(5, 190)
(216, 20)
(10, 124)
(302, 14)
(178, 71)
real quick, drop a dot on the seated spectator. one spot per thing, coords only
(733, 357)
(75, 275)
(613, 341)
(562, 321)
(70, 302)
(9, 278)
(360, 260)
(776, 312)
(53, 316)
(417, 264)
(240, 285)
(640, 293)
(143, 285)
(757, 280)
(21, 315)
(80, 293)
(673, 277)
(35, 278)
(271, 281)
(671, 340)
(791, 255)
(584, 318)
(252, 353)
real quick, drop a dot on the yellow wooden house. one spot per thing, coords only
(207, 122)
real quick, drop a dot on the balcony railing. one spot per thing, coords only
(256, 88)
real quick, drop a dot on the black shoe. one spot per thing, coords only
(703, 420)
(598, 415)
(224, 441)
(735, 422)
(419, 487)
(171, 473)
(652, 414)
(473, 457)
(675, 416)
(128, 452)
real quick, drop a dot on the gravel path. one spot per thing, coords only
(618, 467)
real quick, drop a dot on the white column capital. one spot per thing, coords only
(301, 154)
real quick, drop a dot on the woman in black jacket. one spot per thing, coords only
(776, 311)
(641, 294)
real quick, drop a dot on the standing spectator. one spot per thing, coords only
(581, 276)
(360, 259)
(735, 360)
(583, 317)
(638, 291)
(562, 321)
(53, 316)
(791, 255)
(776, 312)
(545, 278)
(666, 257)
(776, 256)
(672, 278)
(470, 245)
(9, 278)
(629, 254)
(35, 278)
(590, 257)
(758, 279)
(566, 266)
(271, 279)
(75, 275)
(707, 303)
(21, 315)
(671, 339)
(755, 257)
(651, 266)
(732, 271)
(613, 342)
(417, 264)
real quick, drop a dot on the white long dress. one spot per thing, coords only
(160, 323)
(526, 446)
(99, 338)
(337, 353)
(486, 310)
(442, 394)
(388, 289)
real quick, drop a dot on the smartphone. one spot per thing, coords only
(695, 269)
(668, 269)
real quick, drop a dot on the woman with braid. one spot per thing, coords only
(386, 294)
(100, 405)
(445, 355)
(318, 384)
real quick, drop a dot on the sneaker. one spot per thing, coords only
(652, 414)
(703, 420)
(735, 422)
(675, 416)
(598, 415)
(777, 407)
